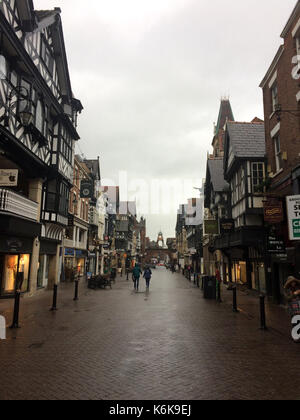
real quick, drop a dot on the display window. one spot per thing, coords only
(15, 273)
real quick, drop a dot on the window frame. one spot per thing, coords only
(278, 153)
(259, 179)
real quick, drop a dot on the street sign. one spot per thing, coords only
(293, 213)
(8, 177)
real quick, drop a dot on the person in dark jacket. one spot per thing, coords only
(136, 274)
(147, 277)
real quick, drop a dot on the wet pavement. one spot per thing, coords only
(169, 344)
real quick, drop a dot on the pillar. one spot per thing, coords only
(54, 269)
(35, 194)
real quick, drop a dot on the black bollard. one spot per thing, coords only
(262, 313)
(219, 299)
(54, 307)
(234, 305)
(76, 290)
(15, 323)
(127, 276)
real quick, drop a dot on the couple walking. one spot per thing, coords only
(137, 272)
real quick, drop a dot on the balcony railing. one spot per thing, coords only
(18, 205)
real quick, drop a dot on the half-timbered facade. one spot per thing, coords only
(245, 171)
(38, 118)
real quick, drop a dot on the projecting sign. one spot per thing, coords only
(293, 211)
(8, 177)
(211, 227)
(87, 189)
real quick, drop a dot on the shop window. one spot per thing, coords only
(258, 176)
(15, 273)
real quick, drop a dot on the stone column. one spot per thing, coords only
(35, 194)
(54, 269)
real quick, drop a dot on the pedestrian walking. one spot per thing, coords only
(136, 274)
(147, 277)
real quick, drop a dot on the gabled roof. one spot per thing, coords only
(26, 15)
(244, 141)
(52, 19)
(247, 139)
(94, 167)
(293, 16)
(127, 208)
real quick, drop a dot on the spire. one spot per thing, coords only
(225, 114)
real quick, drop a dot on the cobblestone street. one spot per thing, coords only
(170, 344)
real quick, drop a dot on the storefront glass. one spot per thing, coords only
(16, 267)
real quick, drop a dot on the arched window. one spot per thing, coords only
(39, 116)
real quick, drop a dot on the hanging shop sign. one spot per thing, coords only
(87, 189)
(226, 226)
(211, 227)
(293, 213)
(273, 211)
(8, 177)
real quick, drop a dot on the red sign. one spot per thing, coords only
(273, 211)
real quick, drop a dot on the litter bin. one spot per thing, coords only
(210, 287)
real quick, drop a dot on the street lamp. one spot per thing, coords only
(23, 101)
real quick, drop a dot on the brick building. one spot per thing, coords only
(281, 93)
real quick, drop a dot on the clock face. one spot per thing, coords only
(86, 192)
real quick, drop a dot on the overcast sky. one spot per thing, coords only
(150, 74)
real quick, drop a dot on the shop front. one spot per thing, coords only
(15, 258)
(48, 251)
(74, 262)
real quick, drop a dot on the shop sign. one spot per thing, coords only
(87, 189)
(8, 177)
(14, 245)
(276, 245)
(273, 211)
(226, 226)
(293, 212)
(69, 252)
(211, 227)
